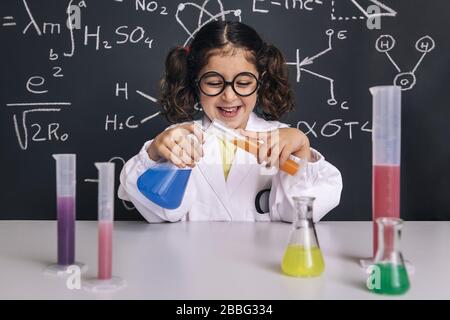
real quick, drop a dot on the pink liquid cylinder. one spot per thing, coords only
(386, 155)
(105, 230)
(385, 198)
(66, 230)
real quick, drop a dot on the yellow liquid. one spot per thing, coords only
(299, 261)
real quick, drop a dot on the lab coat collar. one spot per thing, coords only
(254, 122)
(210, 167)
(243, 164)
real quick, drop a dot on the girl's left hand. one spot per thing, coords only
(279, 145)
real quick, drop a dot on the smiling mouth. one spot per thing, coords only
(229, 111)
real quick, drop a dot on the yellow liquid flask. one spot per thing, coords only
(303, 257)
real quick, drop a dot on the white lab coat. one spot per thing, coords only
(209, 197)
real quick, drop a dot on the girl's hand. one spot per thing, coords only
(279, 145)
(178, 145)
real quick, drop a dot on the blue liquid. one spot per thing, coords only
(164, 185)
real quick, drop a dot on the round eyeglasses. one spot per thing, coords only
(213, 83)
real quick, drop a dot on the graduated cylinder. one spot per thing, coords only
(386, 142)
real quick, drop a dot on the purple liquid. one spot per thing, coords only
(66, 230)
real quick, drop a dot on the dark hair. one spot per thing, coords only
(179, 94)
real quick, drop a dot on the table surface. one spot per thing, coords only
(217, 260)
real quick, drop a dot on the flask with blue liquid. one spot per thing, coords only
(164, 184)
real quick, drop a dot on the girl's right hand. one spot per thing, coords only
(182, 145)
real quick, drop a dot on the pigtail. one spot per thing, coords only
(177, 95)
(275, 95)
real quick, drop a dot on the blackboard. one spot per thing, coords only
(85, 80)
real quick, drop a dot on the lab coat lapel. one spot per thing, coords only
(243, 163)
(212, 170)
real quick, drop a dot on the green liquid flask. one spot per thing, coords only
(303, 257)
(388, 274)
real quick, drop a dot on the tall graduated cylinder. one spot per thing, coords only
(105, 218)
(65, 197)
(386, 142)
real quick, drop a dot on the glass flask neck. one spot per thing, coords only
(389, 235)
(303, 211)
(303, 231)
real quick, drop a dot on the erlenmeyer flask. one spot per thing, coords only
(388, 273)
(303, 257)
(164, 184)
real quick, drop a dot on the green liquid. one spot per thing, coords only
(393, 279)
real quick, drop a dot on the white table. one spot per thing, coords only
(206, 260)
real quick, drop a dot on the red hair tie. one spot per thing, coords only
(186, 49)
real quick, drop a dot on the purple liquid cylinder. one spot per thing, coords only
(66, 230)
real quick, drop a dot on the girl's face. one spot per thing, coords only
(228, 106)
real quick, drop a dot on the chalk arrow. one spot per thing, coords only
(306, 61)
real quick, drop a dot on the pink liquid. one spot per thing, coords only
(385, 197)
(105, 230)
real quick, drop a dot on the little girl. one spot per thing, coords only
(231, 74)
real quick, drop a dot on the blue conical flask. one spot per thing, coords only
(164, 184)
